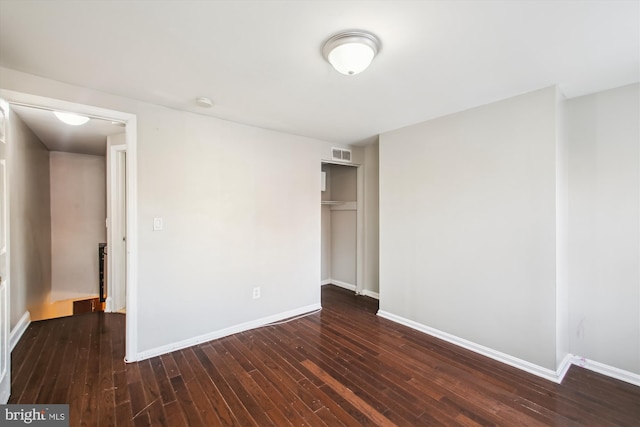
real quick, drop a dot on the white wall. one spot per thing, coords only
(240, 207)
(604, 237)
(467, 225)
(562, 232)
(78, 213)
(325, 217)
(325, 256)
(30, 220)
(344, 224)
(343, 246)
(343, 183)
(371, 218)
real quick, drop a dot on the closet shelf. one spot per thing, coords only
(339, 205)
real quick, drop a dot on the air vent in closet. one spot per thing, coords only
(341, 154)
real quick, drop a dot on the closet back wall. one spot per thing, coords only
(78, 212)
(339, 226)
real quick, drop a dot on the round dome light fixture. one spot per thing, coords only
(71, 118)
(351, 52)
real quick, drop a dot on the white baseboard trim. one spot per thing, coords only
(344, 285)
(534, 369)
(108, 305)
(609, 371)
(368, 293)
(565, 364)
(350, 287)
(17, 332)
(147, 354)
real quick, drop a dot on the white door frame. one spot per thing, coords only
(130, 121)
(360, 289)
(5, 252)
(116, 227)
(360, 278)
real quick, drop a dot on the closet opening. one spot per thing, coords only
(341, 216)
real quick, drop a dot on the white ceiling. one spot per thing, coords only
(90, 138)
(261, 62)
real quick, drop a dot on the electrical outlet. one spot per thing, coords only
(256, 293)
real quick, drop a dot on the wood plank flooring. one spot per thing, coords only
(343, 366)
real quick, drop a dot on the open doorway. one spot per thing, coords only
(126, 127)
(342, 234)
(70, 161)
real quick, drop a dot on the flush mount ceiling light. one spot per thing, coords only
(351, 52)
(71, 118)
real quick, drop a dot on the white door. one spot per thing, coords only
(121, 231)
(117, 236)
(5, 355)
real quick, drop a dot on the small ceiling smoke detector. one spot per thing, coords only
(71, 118)
(351, 52)
(204, 102)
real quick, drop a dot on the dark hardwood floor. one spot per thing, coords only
(341, 366)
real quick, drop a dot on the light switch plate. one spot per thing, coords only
(157, 224)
